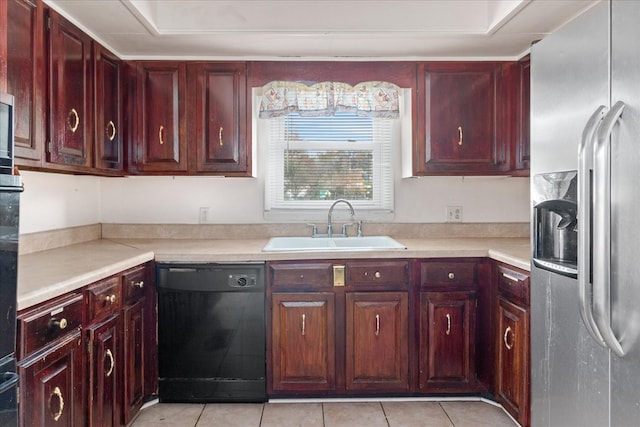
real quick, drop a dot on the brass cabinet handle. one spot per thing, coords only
(139, 284)
(57, 393)
(303, 323)
(111, 130)
(62, 323)
(161, 135)
(452, 276)
(112, 363)
(110, 298)
(505, 336)
(459, 135)
(448, 331)
(76, 120)
(220, 135)
(377, 324)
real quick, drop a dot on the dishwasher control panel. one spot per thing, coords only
(242, 280)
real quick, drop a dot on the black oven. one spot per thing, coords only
(6, 134)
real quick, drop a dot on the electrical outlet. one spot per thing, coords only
(454, 213)
(203, 215)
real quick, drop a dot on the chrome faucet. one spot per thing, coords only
(329, 225)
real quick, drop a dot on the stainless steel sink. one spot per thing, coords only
(331, 244)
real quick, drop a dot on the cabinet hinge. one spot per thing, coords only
(49, 147)
(48, 23)
(88, 347)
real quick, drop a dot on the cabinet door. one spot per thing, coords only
(217, 96)
(70, 101)
(161, 143)
(303, 342)
(460, 116)
(108, 108)
(447, 341)
(51, 391)
(26, 78)
(512, 367)
(134, 317)
(377, 344)
(104, 371)
(523, 141)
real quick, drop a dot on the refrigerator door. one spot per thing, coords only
(625, 222)
(569, 81)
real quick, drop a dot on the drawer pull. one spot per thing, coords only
(112, 363)
(510, 277)
(61, 324)
(377, 275)
(377, 324)
(304, 318)
(452, 276)
(111, 299)
(139, 284)
(448, 331)
(505, 338)
(57, 393)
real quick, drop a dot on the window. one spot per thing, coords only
(315, 159)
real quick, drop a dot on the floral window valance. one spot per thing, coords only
(370, 99)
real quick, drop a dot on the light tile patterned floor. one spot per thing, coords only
(326, 414)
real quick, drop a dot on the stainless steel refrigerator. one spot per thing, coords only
(585, 117)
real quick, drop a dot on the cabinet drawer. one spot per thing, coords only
(134, 282)
(377, 272)
(302, 275)
(446, 273)
(47, 323)
(103, 298)
(513, 284)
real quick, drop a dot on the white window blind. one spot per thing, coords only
(313, 160)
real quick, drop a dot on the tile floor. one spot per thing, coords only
(327, 414)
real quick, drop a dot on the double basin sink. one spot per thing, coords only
(331, 244)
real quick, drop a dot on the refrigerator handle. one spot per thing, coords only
(585, 164)
(602, 229)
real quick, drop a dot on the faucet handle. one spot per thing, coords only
(314, 230)
(344, 228)
(359, 229)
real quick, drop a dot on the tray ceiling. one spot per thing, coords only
(319, 29)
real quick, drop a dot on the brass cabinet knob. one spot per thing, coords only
(60, 324)
(139, 284)
(452, 276)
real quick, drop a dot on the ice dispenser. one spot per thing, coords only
(555, 222)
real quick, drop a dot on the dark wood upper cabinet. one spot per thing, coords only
(108, 136)
(523, 140)
(217, 118)
(70, 101)
(26, 78)
(459, 120)
(159, 139)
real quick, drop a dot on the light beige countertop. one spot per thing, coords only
(47, 274)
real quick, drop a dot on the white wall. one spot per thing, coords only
(53, 201)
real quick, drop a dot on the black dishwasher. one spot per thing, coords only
(211, 332)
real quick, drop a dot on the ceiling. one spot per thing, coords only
(319, 29)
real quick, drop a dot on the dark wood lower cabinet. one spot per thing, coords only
(512, 386)
(303, 342)
(90, 359)
(134, 351)
(447, 341)
(104, 370)
(51, 385)
(377, 341)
